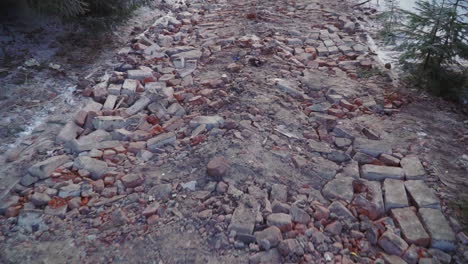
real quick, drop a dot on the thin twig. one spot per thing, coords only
(361, 3)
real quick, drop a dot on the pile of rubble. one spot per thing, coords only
(374, 207)
(370, 218)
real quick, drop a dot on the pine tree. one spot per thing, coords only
(435, 41)
(390, 19)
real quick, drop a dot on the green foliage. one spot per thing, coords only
(73, 8)
(390, 19)
(368, 73)
(435, 41)
(66, 8)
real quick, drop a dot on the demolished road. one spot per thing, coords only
(233, 132)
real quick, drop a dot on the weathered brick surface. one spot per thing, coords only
(413, 168)
(421, 195)
(395, 194)
(442, 235)
(379, 173)
(412, 229)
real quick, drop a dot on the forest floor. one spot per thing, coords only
(224, 132)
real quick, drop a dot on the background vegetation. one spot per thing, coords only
(75, 8)
(433, 40)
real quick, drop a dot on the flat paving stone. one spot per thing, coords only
(395, 194)
(413, 168)
(379, 173)
(371, 147)
(339, 189)
(442, 235)
(412, 229)
(421, 195)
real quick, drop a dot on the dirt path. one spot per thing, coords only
(245, 132)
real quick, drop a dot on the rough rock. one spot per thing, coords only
(291, 247)
(161, 191)
(243, 220)
(372, 147)
(94, 140)
(31, 220)
(334, 228)
(270, 256)
(411, 255)
(341, 211)
(389, 160)
(439, 255)
(110, 102)
(392, 244)
(217, 167)
(129, 87)
(28, 180)
(288, 87)
(280, 220)
(323, 168)
(392, 259)
(371, 203)
(108, 123)
(272, 234)
(340, 188)
(97, 168)
(132, 180)
(138, 106)
(160, 141)
(139, 74)
(45, 168)
(209, 121)
(279, 207)
(299, 215)
(7, 202)
(59, 211)
(70, 190)
(69, 132)
(279, 192)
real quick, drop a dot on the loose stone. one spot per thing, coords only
(379, 173)
(392, 244)
(45, 168)
(442, 235)
(280, 220)
(413, 168)
(411, 228)
(395, 194)
(217, 167)
(422, 195)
